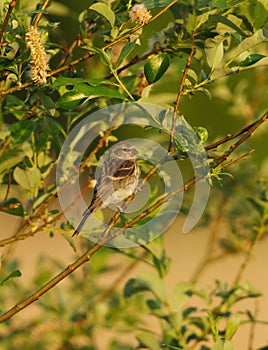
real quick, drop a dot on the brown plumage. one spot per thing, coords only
(118, 179)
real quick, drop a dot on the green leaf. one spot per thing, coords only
(224, 71)
(29, 179)
(46, 101)
(11, 158)
(146, 282)
(13, 274)
(222, 345)
(16, 106)
(124, 53)
(12, 206)
(224, 4)
(251, 59)
(221, 19)
(154, 305)
(260, 208)
(134, 286)
(202, 133)
(65, 81)
(204, 91)
(99, 91)
(192, 75)
(148, 340)
(75, 98)
(180, 295)
(156, 67)
(257, 38)
(231, 327)
(260, 13)
(160, 259)
(105, 11)
(71, 99)
(51, 127)
(103, 56)
(21, 131)
(191, 22)
(214, 51)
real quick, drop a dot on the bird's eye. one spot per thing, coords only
(125, 149)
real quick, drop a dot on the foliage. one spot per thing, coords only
(206, 47)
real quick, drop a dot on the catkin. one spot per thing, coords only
(139, 14)
(39, 66)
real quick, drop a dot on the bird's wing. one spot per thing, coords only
(114, 178)
(122, 173)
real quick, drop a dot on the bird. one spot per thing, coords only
(118, 179)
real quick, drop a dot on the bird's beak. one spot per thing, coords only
(134, 152)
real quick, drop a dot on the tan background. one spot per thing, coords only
(185, 251)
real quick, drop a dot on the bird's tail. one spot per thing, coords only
(85, 216)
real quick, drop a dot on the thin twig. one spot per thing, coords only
(253, 325)
(236, 160)
(253, 244)
(8, 14)
(135, 60)
(180, 94)
(68, 53)
(208, 257)
(214, 230)
(233, 136)
(248, 133)
(40, 14)
(8, 185)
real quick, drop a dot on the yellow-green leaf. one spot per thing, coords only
(105, 11)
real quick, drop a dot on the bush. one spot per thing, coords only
(183, 54)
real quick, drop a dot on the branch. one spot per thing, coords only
(261, 231)
(69, 51)
(22, 234)
(88, 54)
(180, 94)
(214, 230)
(248, 132)
(209, 256)
(253, 325)
(229, 137)
(135, 60)
(40, 14)
(5, 23)
(50, 284)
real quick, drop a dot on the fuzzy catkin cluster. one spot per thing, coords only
(39, 66)
(139, 14)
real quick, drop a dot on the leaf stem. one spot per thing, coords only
(179, 96)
